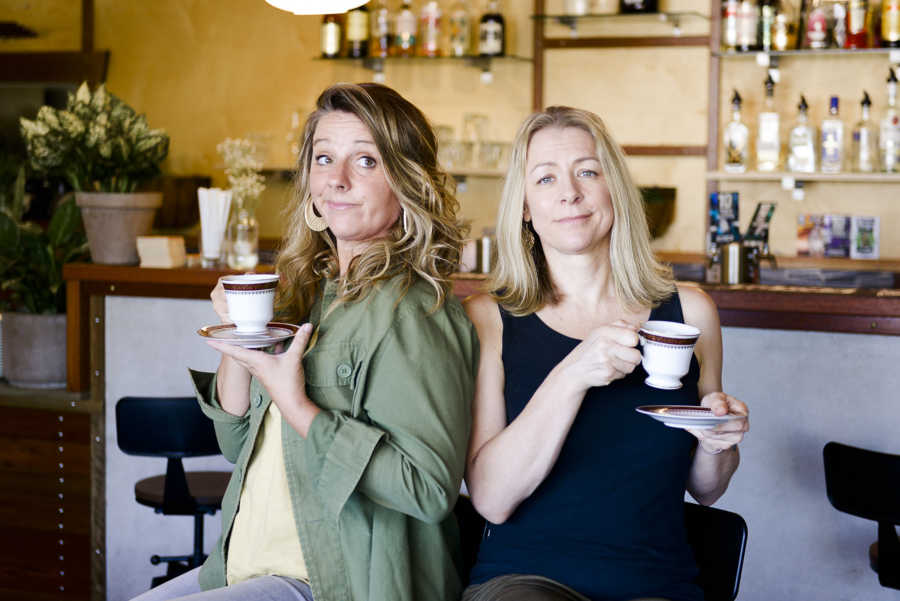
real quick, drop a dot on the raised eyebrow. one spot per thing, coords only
(320, 140)
(544, 164)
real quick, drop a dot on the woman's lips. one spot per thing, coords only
(573, 218)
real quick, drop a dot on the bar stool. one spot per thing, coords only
(173, 427)
(864, 483)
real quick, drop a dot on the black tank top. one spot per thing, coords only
(608, 520)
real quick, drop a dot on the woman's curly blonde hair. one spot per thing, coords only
(424, 243)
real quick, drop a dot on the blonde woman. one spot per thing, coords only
(583, 495)
(349, 458)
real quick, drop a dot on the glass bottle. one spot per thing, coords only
(638, 6)
(802, 142)
(815, 35)
(832, 135)
(331, 36)
(730, 24)
(890, 23)
(837, 23)
(857, 24)
(243, 238)
(737, 138)
(766, 22)
(768, 139)
(748, 25)
(889, 134)
(379, 30)
(358, 32)
(864, 153)
(460, 29)
(405, 31)
(492, 31)
(430, 29)
(784, 28)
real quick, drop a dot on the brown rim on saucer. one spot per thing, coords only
(287, 330)
(667, 340)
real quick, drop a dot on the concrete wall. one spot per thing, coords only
(805, 389)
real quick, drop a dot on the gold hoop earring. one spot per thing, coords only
(313, 221)
(405, 223)
(527, 237)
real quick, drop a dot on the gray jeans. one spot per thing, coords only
(262, 588)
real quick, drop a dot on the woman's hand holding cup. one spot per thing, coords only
(608, 353)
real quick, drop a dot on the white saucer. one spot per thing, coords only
(275, 332)
(686, 416)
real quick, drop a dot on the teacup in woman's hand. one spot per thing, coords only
(250, 298)
(668, 348)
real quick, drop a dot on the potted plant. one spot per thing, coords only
(105, 150)
(32, 290)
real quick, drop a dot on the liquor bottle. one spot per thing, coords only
(857, 24)
(380, 30)
(802, 142)
(331, 36)
(766, 22)
(890, 23)
(889, 134)
(832, 136)
(730, 24)
(405, 31)
(836, 13)
(784, 28)
(460, 29)
(768, 140)
(816, 33)
(748, 24)
(737, 138)
(492, 31)
(863, 153)
(430, 29)
(358, 32)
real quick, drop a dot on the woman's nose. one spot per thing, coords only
(338, 177)
(570, 190)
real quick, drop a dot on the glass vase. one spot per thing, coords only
(243, 240)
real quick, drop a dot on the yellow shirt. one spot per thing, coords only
(264, 537)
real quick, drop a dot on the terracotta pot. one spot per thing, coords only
(114, 221)
(34, 350)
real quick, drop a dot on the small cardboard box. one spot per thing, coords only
(161, 251)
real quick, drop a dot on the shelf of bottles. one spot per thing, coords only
(789, 179)
(892, 53)
(675, 18)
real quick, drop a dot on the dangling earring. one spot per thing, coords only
(315, 222)
(527, 236)
(405, 223)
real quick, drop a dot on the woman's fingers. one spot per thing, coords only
(220, 305)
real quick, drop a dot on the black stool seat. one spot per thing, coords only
(206, 488)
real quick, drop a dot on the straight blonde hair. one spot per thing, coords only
(424, 243)
(521, 281)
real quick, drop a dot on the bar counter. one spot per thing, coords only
(823, 309)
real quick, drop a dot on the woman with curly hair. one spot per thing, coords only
(349, 447)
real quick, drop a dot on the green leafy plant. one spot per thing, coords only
(98, 143)
(32, 257)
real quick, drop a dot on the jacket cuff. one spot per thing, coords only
(344, 447)
(205, 387)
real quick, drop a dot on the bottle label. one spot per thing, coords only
(890, 21)
(856, 17)
(490, 39)
(331, 39)
(357, 26)
(769, 144)
(747, 21)
(459, 34)
(730, 24)
(832, 146)
(406, 30)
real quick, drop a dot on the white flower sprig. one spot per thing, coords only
(243, 170)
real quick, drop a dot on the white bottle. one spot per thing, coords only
(736, 139)
(863, 154)
(802, 142)
(889, 136)
(768, 139)
(832, 140)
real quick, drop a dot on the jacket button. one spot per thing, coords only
(258, 400)
(344, 370)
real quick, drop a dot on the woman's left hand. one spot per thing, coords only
(280, 374)
(727, 434)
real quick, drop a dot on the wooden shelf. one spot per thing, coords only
(779, 176)
(54, 399)
(54, 67)
(625, 42)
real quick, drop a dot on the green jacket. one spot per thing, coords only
(374, 483)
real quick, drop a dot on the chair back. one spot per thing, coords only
(863, 483)
(170, 427)
(718, 539)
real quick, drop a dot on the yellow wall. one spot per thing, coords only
(205, 71)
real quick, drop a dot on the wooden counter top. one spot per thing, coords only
(855, 310)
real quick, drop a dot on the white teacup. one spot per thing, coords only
(668, 348)
(250, 299)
